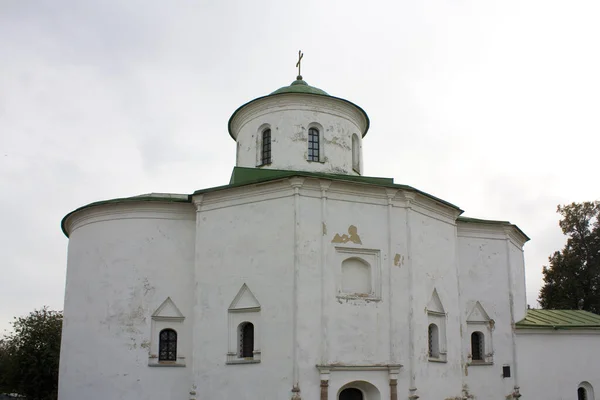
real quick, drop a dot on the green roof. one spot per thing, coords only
(241, 176)
(299, 86)
(247, 176)
(559, 319)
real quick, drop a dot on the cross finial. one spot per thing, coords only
(300, 55)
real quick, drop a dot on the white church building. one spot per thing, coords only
(304, 279)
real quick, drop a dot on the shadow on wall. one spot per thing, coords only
(358, 390)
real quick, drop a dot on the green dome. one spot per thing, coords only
(300, 86)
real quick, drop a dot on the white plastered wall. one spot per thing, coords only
(552, 364)
(289, 117)
(124, 260)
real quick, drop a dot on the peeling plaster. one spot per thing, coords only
(398, 260)
(352, 236)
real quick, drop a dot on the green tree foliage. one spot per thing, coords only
(572, 280)
(29, 356)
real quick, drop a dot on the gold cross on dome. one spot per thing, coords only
(300, 55)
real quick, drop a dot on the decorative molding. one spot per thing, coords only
(162, 312)
(129, 210)
(168, 365)
(478, 315)
(297, 102)
(296, 182)
(435, 304)
(373, 258)
(325, 369)
(244, 301)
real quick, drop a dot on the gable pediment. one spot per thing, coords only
(167, 311)
(435, 304)
(478, 314)
(244, 301)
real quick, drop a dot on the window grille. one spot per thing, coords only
(247, 340)
(433, 339)
(167, 345)
(477, 347)
(266, 147)
(582, 394)
(313, 144)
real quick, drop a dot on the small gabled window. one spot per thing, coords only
(477, 346)
(313, 144)
(246, 332)
(266, 147)
(167, 345)
(434, 341)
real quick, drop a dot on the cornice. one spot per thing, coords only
(333, 190)
(482, 230)
(298, 102)
(129, 210)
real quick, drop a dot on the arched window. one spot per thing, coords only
(266, 147)
(246, 332)
(477, 347)
(355, 153)
(313, 144)
(585, 391)
(167, 345)
(434, 341)
(356, 276)
(351, 394)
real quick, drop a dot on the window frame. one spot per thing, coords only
(314, 138)
(480, 346)
(245, 350)
(266, 147)
(166, 342)
(433, 341)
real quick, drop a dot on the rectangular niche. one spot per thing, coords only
(358, 273)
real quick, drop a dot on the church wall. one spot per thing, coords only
(290, 118)
(123, 262)
(433, 264)
(334, 328)
(244, 241)
(484, 269)
(517, 265)
(311, 334)
(357, 327)
(552, 364)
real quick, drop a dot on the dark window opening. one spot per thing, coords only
(313, 144)
(247, 340)
(167, 345)
(506, 371)
(266, 147)
(433, 341)
(477, 346)
(581, 394)
(355, 154)
(351, 394)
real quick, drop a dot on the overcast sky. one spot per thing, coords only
(490, 105)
